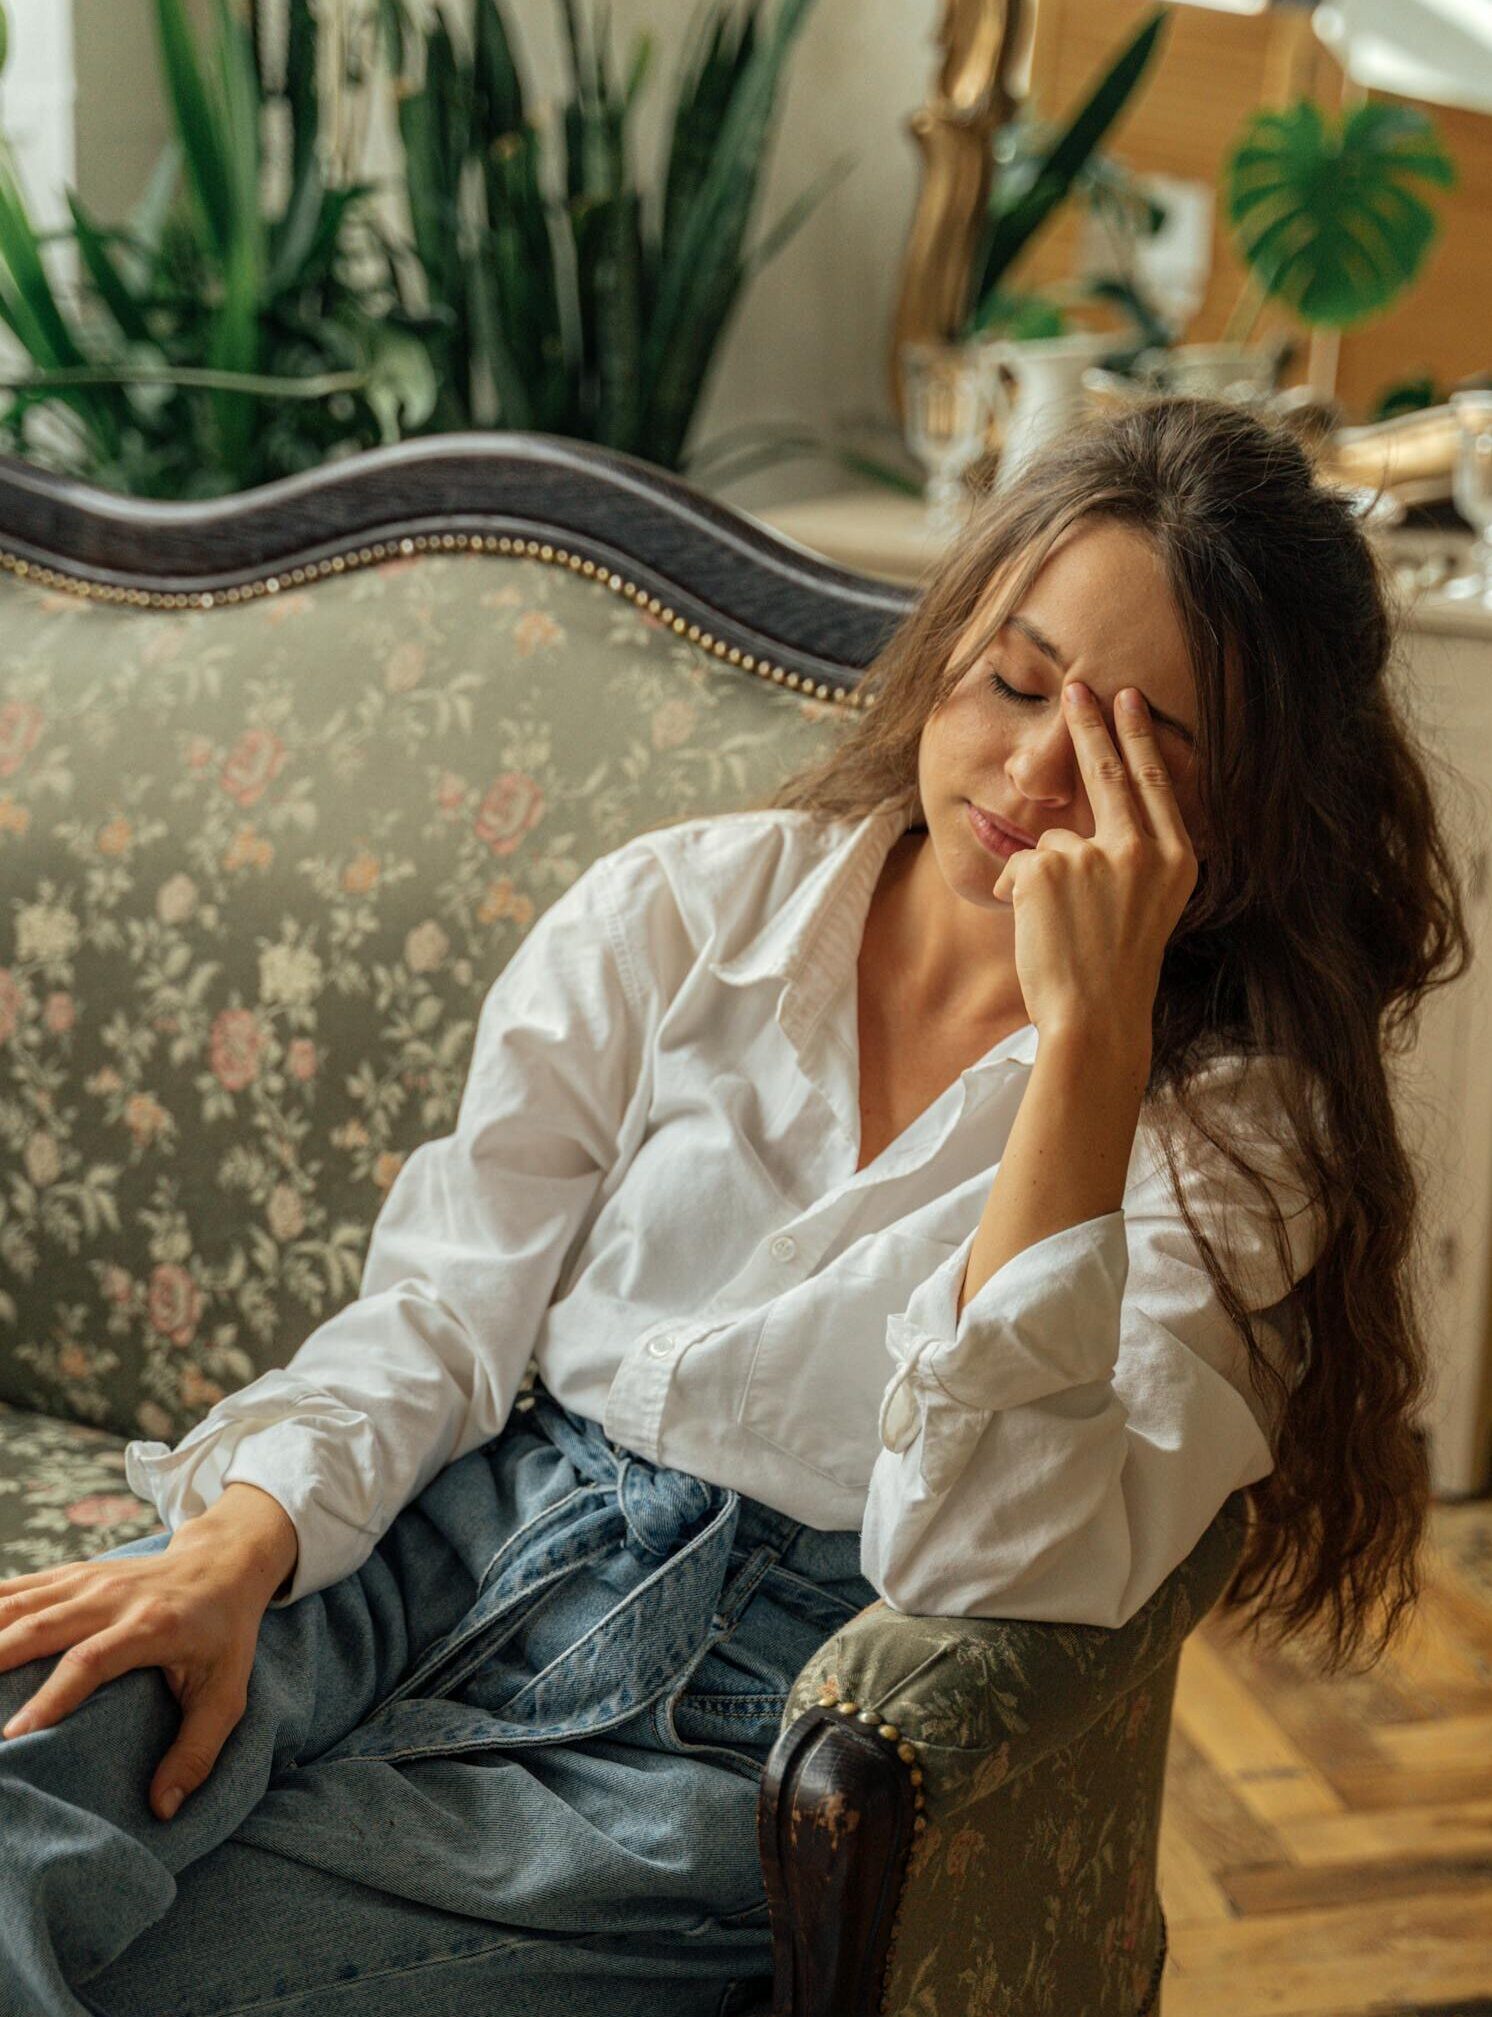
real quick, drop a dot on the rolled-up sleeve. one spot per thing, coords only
(1055, 1449)
(463, 1256)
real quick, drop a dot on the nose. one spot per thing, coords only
(1044, 767)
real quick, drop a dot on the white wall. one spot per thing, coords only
(120, 110)
(36, 102)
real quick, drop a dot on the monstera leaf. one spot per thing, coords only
(1326, 217)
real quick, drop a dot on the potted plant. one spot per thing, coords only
(1327, 218)
(242, 326)
(1039, 167)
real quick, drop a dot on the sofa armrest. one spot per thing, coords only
(909, 1743)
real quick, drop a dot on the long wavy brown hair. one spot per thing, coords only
(1328, 904)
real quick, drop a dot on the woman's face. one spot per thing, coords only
(1100, 611)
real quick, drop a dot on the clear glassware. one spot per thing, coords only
(1471, 490)
(947, 405)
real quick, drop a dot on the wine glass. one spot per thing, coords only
(947, 408)
(1471, 489)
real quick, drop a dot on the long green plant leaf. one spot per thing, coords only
(148, 218)
(795, 215)
(708, 76)
(526, 302)
(302, 63)
(509, 384)
(700, 276)
(198, 124)
(618, 276)
(499, 100)
(30, 309)
(435, 124)
(1012, 228)
(114, 290)
(235, 339)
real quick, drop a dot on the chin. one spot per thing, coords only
(972, 873)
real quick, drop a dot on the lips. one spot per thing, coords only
(1015, 833)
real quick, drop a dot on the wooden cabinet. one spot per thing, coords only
(1445, 1081)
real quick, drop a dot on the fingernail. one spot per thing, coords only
(17, 1726)
(170, 1801)
(1130, 701)
(1075, 690)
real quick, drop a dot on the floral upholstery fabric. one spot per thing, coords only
(260, 864)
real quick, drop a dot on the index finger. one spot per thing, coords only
(1105, 771)
(76, 1675)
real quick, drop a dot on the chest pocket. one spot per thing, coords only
(814, 1386)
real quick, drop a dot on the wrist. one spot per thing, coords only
(1123, 1051)
(249, 1531)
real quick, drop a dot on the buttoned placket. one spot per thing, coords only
(816, 1006)
(795, 1250)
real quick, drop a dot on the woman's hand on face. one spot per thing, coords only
(1093, 917)
(191, 1610)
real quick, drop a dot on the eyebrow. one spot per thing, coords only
(1043, 643)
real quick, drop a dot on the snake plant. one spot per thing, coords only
(221, 336)
(598, 312)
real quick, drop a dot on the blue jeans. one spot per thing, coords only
(508, 1766)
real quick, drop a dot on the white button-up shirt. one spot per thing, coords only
(651, 1189)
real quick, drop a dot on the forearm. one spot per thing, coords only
(249, 1529)
(1070, 1145)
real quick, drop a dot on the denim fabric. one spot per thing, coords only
(509, 1765)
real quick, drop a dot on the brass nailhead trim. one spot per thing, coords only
(446, 542)
(906, 1751)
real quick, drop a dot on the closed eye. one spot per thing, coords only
(1008, 692)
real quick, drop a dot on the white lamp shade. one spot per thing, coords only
(1436, 50)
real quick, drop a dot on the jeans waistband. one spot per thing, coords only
(661, 1506)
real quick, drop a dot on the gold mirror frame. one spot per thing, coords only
(983, 43)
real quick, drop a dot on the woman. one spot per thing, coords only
(1093, 1134)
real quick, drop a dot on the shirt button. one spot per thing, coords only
(784, 1247)
(661, 1347)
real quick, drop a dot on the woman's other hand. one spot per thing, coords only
(193, 1609)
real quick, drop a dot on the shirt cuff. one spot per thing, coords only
(294, 1441)
(1047, 1319)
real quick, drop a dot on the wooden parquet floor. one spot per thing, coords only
(1326, 1845)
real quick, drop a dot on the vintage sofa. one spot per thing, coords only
(283, 781)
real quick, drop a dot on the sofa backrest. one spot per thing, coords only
(260, 863)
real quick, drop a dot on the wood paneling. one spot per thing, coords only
(1443, 325)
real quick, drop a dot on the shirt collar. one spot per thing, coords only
(812, 940)
(839, 882)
